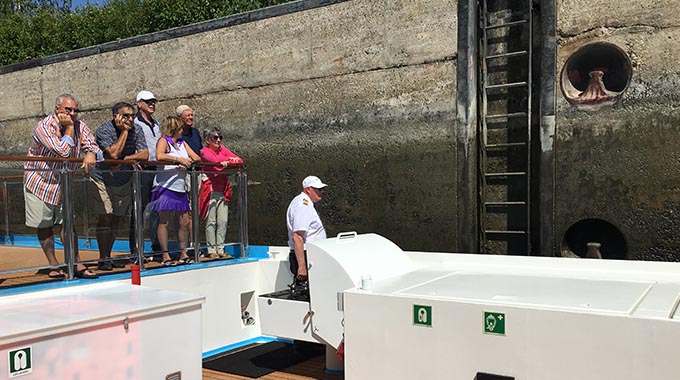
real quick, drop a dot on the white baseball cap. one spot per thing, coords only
(313, 181)
(145, 95)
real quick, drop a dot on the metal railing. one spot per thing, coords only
(70, 179)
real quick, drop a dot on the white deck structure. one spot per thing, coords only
(419, 315)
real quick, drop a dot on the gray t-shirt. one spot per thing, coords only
(107, 134)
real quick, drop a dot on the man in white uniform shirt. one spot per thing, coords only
(304, 225)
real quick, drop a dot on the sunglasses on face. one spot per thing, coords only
(216, 137)
(150, 102)
(71, 110)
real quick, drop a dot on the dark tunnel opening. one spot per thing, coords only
(586, 231)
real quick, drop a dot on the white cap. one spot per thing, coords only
(180, 109)
(313, 181)
(145, 95)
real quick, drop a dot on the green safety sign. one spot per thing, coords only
(494, 323)
(422, 315)
(20, 362)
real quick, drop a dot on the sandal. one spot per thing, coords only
(57, 273)
(187, 260)
(86, 274)
(169, 263)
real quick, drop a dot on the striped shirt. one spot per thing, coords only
(42, 178)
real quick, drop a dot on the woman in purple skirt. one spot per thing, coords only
(169, 194)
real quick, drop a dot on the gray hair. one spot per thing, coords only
(210, 131)
(61, 97)
(180, 109)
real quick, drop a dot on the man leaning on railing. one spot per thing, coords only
(120, 139)
(59, 135)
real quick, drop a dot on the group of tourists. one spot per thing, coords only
(129, 135)
(166, 151)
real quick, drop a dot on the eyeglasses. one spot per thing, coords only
(71, 110)
(216, 137)
(150, 102)
(127, 115)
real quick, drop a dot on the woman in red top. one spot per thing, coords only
(217, 184)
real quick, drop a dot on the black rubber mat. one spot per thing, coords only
(263, 359)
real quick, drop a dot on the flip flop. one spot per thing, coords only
(83, 273)
(57, 273)
(169, 263)
(187, 260)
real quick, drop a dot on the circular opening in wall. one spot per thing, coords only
(612, 243)
(596, 75)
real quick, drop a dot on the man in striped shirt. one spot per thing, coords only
(59, 136)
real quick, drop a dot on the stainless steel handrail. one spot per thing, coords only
(68, 180)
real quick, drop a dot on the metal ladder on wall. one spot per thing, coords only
(505, 126)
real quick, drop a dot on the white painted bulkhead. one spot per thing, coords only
(223, 287)
(563, 318)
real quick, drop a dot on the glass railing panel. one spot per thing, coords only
(220, 220)
(22, 260)
(103, 205)
(21, 256)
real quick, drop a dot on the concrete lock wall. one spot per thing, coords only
(360, 93)
(618, 169)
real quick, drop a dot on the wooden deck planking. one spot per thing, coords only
(13, 257)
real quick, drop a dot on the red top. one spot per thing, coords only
(220, 182)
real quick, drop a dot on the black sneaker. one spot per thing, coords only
(118, 263)
(106, 265)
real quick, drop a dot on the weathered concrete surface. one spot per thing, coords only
(389, 173)
(360, 93)
(340, 39)
(22, 94)
(579, 16)
(622, 164)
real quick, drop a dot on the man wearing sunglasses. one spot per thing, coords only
(120, 139)
(59, 135)
(146, 107)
